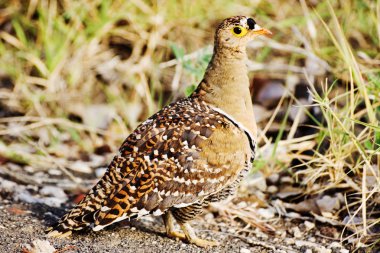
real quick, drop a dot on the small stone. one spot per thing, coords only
(296, 232)
(209, 217)
(242, 205)
(55, 172)
(99, 172)
(286, 180)
(244, 250)
(344, 251)
(294, 215)
(40, 246)
(266, 213)
(272, 189)
(14, 167)
(335, 245)
(231, 230)
(256, 180)
(81, 167)
(52, 201)
(308, 251)
(281, 233)
(290, 241)
(29, 169)
(327, 204)
(309, 225)
(6, 185)
(312, 239)
(274, 178)
(53, 191)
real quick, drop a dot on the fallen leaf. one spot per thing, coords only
(15, 210)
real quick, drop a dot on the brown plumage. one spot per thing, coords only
(192, 152)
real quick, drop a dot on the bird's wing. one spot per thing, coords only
(180, 155)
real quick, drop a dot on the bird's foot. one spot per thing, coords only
(176, 235)
(169, 226)
(203, 243)
(192, 238)
(188, 232)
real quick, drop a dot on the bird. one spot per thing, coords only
(191, 153)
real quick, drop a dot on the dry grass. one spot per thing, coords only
(82, 74)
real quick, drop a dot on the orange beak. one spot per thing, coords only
(263, 31)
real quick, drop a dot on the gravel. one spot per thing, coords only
(22, 230)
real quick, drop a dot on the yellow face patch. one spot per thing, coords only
(239, 31)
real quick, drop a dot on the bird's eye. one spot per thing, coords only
(239, 31)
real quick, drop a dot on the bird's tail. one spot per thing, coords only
(85, 213)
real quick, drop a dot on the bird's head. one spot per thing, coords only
(235, 32)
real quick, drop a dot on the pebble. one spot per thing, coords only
(81, 167)
(40, 246)
(266, 213)
(55, 172)
(51, 201)
(296, 232)
(272, 189)
(281, 233)
(100, 171)
(14, 167)
(7, 185)
(286, 180)
(242, 204)
(274, 178)
(53, 191)
(327, 204)
(258, 180)
(335, 245)
(29, 169)
(209, 217)
(309, 225)
(294, 215)
(290, 241)
(244, 250)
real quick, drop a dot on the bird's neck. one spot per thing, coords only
(226, 86)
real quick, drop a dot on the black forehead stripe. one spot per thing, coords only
(251, 23)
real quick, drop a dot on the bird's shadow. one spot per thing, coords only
(49, 216)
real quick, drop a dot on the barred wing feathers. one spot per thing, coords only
(182, 154)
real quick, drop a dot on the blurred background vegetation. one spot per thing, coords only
(76, 77)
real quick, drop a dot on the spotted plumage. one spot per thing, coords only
(192, 152)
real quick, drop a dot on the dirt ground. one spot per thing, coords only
(22, 225)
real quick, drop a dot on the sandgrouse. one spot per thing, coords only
(192, 152)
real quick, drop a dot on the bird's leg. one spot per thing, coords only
(169, 226)
(192, 238)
